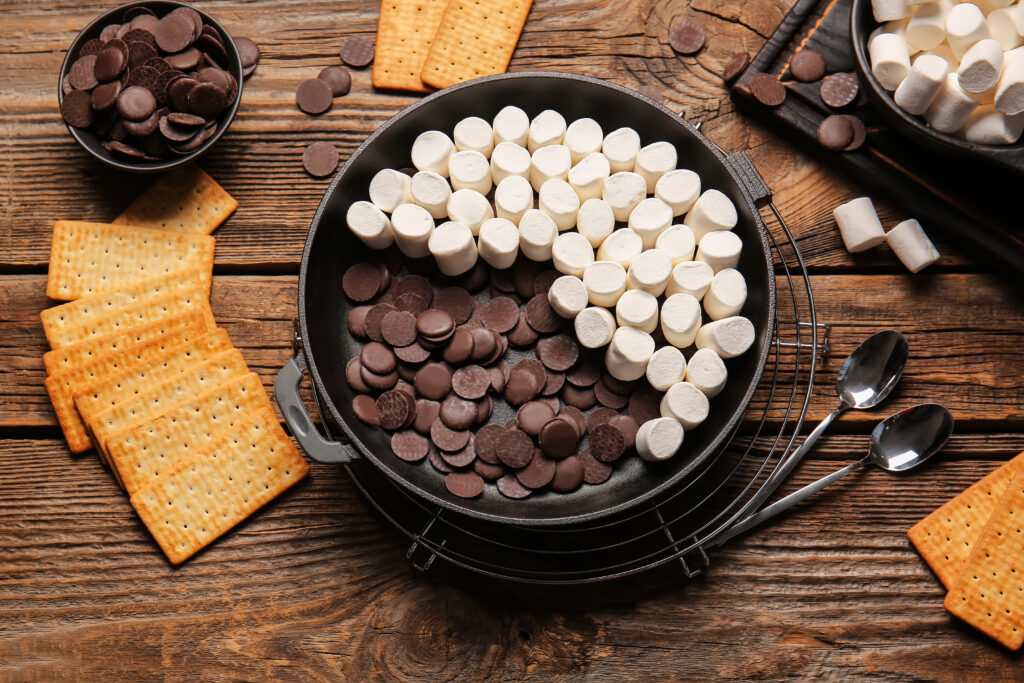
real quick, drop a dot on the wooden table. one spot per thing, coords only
(315, 586)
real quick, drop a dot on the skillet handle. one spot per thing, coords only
(286, 391)
(750, 179)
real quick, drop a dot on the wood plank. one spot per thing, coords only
(315, 586)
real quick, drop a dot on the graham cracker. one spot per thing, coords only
(84, 311)
(474, 39)
(405, 30)
(946, 537)
(83, 352)
(176, 304)
(63, 386)
(219, 486)
(184, 199)
(142, 455)
(90, 258)
(989, 593)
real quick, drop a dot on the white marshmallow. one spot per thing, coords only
(650, 271)
(943, 50)
(594, 327)
(513, 197)
(605, 282)
(654, 161)
(686, 404)
(453, 248)
(649, 219)
(727, 294)
(473, 134)
(623, 191)
(720, 249)
(659, 439)
(470, 170)
(431, 152)
(511, 125)
(922, 84)
(636, 308)
(499, 242)
(965, 25)
(558, 200)
(888, 10)
(707, 372)
(389, 188)
(509, 159)
(551, 161)
(927, 28)
(728, 337)
(589, 176)
(547, 128)
(628, 354)
(988, 126)
(678, 242)
(431, 191)
(595, 221)
(370, 225)
(1003, 27)
(621, 147)
(567, 296)
(680, 319)
(859, 225)
(690, 277)
(951, 107)
(712, 211)
(679, 189)
(470, 208)
(1010, 91)
(537, 233)
(666, 367)
(583, 137)
(571, 253)
(890, 59)
(413, 225)
(911, 246)
(622, 246)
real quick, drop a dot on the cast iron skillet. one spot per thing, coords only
(862, 23)
(331, 247)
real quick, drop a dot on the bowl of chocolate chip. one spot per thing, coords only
(149, 86)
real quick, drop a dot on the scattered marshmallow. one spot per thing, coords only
(727, 294)
(431, 191)
(571, 253)
(622, 246)
(470, 208)
(680, 319)
(649, 218)
(499, 242)
(666, 367)
(686, 404)
(473, 134)
(389, 188)
(965, 26)
(728, 337)
(551, 161)
(654, 161)
(890, 59)
(679, 189)
(595, 220)
(513, 197)
(412, 225)
(628, 354)
(605, 282)
(511, 125)
(922, 84)
(557, 199)
(621, 147)
(911, 246)
(453, 248)
(659, 439)
(371, 225)
(637, 308)
(537, 233)
(509, 159)
(583, 137)
(859, 225)
(567, 296)
(690, 277)
(650, 271)
(678, 242)
(470, 170)
(623, 191)
(720, 249)
(589, 176)
(949, 110)
(712, 211)
(547, 128)
(431, 152)
(594, 327)
(707, 372)
(981, 66)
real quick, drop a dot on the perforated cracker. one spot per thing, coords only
(405, 31)
(91, 258)
(144, 454)
(185, 199)
(989, 593)
(174, 305)
(475, 38)
(82, 312)
(946, 537)
(219, 486)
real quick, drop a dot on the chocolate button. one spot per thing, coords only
(645, 404)
(541, 316)
(594, 471)
(434, 456)
(488, 471)
(399, 328)
(434, 380)
(807, 66)
(514, 448)
(767, 89)
(485, 342)
(538, 473)
(435, 323)
(356, 51)
(83, 73)
(354, 376)
(510, 487)
(361, 282)
(411, 303)
(457, 302)
(376, 381)
(174, 33)
(554, 384)
(447, 439)
(860, 133)
(686, 36)
(522, 335)
(486, 443)
(375, 318)
(377, 358)
(76, 109)
(365, 408)
(337, 78)
(393, 409)
(736, 65)
(186, 59)
(500, 314)
(835, 133)
(415, 284)
(559, 352)
(413, 353)
(461, 458)
(521, 387)
(320, 159)
(608, 398)
(568, 475)
(581, 398)
(426, 412)
(460, 346)
(575, 417)
(558, 439)
(599, 417)
(628, 426)
(409, 446)
(531, 418)
(207, 100)
(458, 413)
(248, 52)
(464, 484)
(607, 443)
(109, 64)
(586, 372)
(105, 96)
(136, 103)
(313, 96)
(471, 382)
(838, 90)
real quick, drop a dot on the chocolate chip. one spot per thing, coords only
(399, 328)
(185, 60)
(607, 443)
(510, 487)
(207, 100)
(464, 457)
(76, 109)
(838, 90)
(686, 36)
(594, 471)
(860, 133)
(447, 439)
(485, 343)
(354, 376)
(488, 471)
(532, 416)
(361, 282)
(144, 22)
(538, 473)
(628, 426)
(173, 132)
(248, 52)
(435, 324)
(575, 417)
(599, 417)
(426, 412)
(483, 410)
(109, 64)
(522, 335)
(471, 382)
(542, 283)
(464, 484)
(568, 475)
(337, 78)
(92, 47)
(434, 380)
(582, 398)
(555, 382)
(376, 381)
(458, 413)
(559, 352)
(736, 65)
(320, 159)
(183, 119)
(541, 316)
(502, 279)
(522, 386)
(486, 443)
(514, 448)
(356, 51)
(415, 284)
(135, 103)
(835, 133)
(105, 96)
(412, 303)
(645, 404)
(558, 439)
(460, 346)
(125, 149)
(499, 314)
(807, 66)
(378, 358)
(767, 89)
(586, 372)
(83, 73)
(409, 446)
(174, 33)
(434, 456)
(393, 409)
(313, 96)
(177, 91)
(608, 398)
(457, 302)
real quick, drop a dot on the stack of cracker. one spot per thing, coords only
(437, 43)
(975, 545)
(139, 370)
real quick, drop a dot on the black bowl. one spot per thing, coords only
(92, 143)
(862, 23)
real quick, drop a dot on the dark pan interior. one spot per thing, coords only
(331, 247)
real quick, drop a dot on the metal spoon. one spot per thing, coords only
(901, 442)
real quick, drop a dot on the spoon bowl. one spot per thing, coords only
(910, 437)
(871, 371)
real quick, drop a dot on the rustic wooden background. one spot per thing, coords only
(316, 586)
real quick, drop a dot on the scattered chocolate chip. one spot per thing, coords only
(499, 314)
(835, 133)
(807, 65)
(320, 159)
(838, 90)
(313, 96)
(457, 302)
(338, 78)
(767, 89)
(356, 51)
(248, 52)
(860, 133)
(686, 36)
(736, 65)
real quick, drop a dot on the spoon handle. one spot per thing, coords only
(788, 502)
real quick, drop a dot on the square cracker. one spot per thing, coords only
(84, 311)
(219, 486)
(63, 386)
(148, 310)
(185, 199)
(144, 454)
(90, 258)
(946, 537)
(474, 39)
(405, 31)
(989, 593)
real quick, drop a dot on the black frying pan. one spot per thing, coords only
(330, 248)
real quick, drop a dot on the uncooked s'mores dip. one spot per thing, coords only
(613, 271)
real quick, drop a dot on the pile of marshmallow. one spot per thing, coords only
(967, 76)
(861, 230)
(604, 215)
